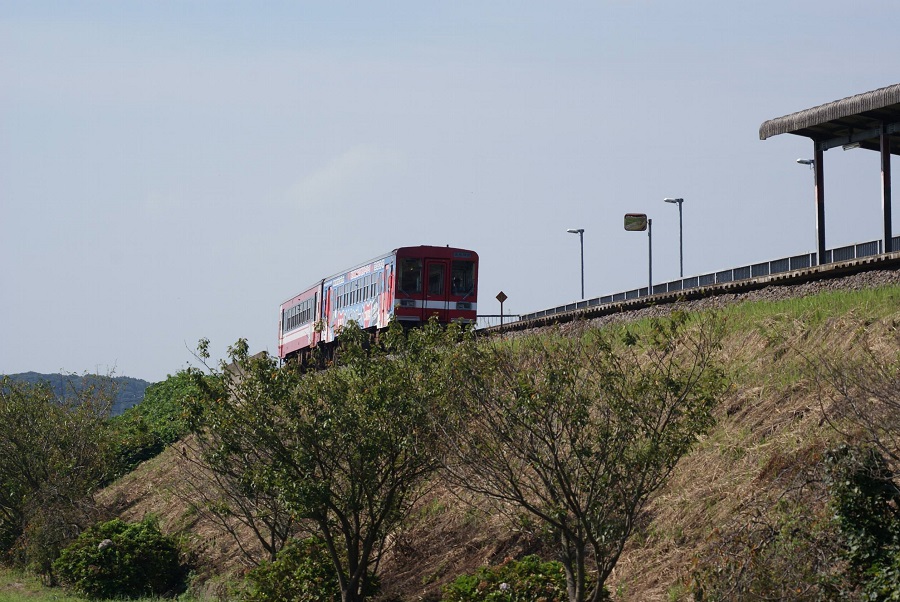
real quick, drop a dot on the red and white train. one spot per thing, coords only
(409, 284)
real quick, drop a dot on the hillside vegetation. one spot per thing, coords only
(769, 443)
(760, 468)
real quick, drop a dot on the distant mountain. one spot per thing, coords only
(130, 391)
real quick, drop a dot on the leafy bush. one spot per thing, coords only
(122, 560)
(302, 572)
(522, 580)
(145, 430)
(865, 501)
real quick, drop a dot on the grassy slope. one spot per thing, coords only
(770, 419)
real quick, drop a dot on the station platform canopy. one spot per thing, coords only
(858, 119)
(870, 121)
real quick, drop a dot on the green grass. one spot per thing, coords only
(16, 586)
(875, 303)
(20, 587)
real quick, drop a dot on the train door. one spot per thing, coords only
(386, 295)
(437, 291)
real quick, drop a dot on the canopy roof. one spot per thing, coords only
(856, 119)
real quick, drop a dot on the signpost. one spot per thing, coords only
(635, 222)
(638, 222)
(501, 297)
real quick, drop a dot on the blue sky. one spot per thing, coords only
(174, 170)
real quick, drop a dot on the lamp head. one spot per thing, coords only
(671, 200)
(575, 230)
(806, 161)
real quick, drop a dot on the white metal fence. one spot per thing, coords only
(756, 270)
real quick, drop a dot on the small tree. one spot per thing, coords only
(347, 449)
(580, 432)
(229, 458)
(54, 453)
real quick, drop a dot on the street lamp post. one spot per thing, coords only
(650, 256)
(580, 233)
(680, 236)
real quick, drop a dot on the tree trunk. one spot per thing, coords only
(573, 563)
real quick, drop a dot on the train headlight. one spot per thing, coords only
(406, 303)
(464, 305)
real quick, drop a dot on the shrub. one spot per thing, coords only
(302, 572)
(513, 581)
(865, 502)
(122, 560)
(145, 430)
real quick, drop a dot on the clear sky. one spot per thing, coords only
(175, 170)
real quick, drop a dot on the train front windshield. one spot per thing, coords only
(462, 274)
(411, 276)
(430, 276)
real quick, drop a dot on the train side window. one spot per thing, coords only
(411, 276)
(462, 277)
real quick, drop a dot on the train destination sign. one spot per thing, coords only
(635, 222)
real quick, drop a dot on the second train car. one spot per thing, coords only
(409, 284)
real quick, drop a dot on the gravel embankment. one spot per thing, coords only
(859, 281)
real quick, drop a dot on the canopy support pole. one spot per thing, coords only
(820, 204)
(886, 188)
